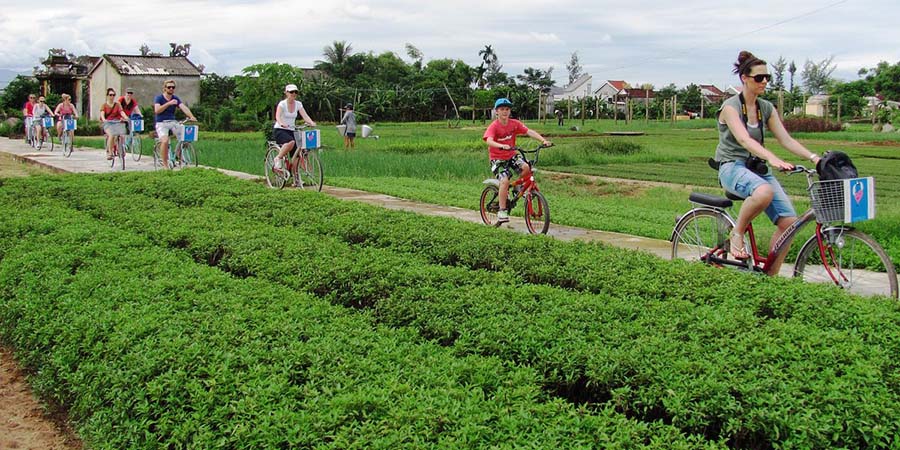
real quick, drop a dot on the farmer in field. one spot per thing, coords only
(501, 139)
(349, 120)
(742, 121)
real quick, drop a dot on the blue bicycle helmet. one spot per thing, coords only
(503, 101)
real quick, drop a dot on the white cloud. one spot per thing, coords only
(642, 40)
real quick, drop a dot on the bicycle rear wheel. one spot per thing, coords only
(700, 234)
(309, 170)
(851, 259)
(39, 141)
(490, 205)
(48, 138)
(273, 178)
(537, 213)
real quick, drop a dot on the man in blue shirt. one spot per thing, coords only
(164, 109)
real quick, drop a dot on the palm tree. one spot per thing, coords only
(488, 61)
(335, 56)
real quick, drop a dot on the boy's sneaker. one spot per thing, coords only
(502, 216)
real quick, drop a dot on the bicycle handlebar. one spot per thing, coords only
(536, 152)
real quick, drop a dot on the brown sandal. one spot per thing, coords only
(737, 247)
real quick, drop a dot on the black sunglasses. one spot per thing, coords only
(293, 92)
(170, 87)
(111, 95)
(759, 78)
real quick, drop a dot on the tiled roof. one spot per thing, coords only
(152, 65)
(638, 93)
(618, 84)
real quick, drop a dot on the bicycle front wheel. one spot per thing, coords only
(273, 178)
(157, 155)
(188, 154)
(849, 258)
(136, 148)
(537, 213)
(700, 234)
(309, 170)
(67, 144)
(48, 137)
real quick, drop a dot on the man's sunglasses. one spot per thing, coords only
(763, 76)
(170, 87)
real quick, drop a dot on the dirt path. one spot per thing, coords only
(23, 422)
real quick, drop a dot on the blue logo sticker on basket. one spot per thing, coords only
(311, 140)
(137, 125)
(48, 122)
(70, 124)
(190, 133)
(859, 199)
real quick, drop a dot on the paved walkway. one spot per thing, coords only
(89, 160)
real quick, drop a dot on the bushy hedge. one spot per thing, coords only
(724, 358)
(810, 124)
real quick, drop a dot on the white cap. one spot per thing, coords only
(291, 87)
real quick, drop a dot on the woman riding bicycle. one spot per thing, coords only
(113, 119)
(38, 112)
(742, 121)
(501, 139)
(285, 115)
(64, 110)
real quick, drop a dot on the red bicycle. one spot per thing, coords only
(836, 253)
(537, 211)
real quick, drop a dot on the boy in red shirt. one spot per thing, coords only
(501, 139)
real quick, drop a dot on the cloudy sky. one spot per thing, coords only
(640, 41)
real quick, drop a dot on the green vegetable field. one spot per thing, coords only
(192, 310)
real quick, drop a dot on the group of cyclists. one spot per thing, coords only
(115, 115)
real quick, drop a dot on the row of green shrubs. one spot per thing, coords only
(147, 349)
(749, 361)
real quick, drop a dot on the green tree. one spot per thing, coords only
(16, 93)
(574, 68)
(690, 98)
(792, 69)
(817, 76)
(262, 86)
(336, 56)
(415, 54)
(216, 90)
(884, 79)
(852, 95)
(537, 79)
(778, 75)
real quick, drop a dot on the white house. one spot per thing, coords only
(817, 105)
(144, 74)
(575, 90)
(610, 89)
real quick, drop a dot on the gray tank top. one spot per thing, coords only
(729, 149)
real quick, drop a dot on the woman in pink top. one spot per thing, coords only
(64, 110)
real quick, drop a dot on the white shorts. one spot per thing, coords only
(163, 128)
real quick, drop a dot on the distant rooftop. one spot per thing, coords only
(152, 65)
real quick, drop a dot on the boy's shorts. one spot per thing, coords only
(738, 179)
(504, 168)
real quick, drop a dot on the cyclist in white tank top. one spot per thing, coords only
(285, 115)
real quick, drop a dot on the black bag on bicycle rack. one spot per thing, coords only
(836, 165)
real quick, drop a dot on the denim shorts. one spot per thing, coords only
(738, 179)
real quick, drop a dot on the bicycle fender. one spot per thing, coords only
(493, 181)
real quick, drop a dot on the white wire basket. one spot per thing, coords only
(850, 200)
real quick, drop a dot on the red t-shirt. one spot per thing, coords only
(129, 109)
(111, 112)
(29, 109)
(504, 134)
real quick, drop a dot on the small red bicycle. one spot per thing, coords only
(537, 211)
